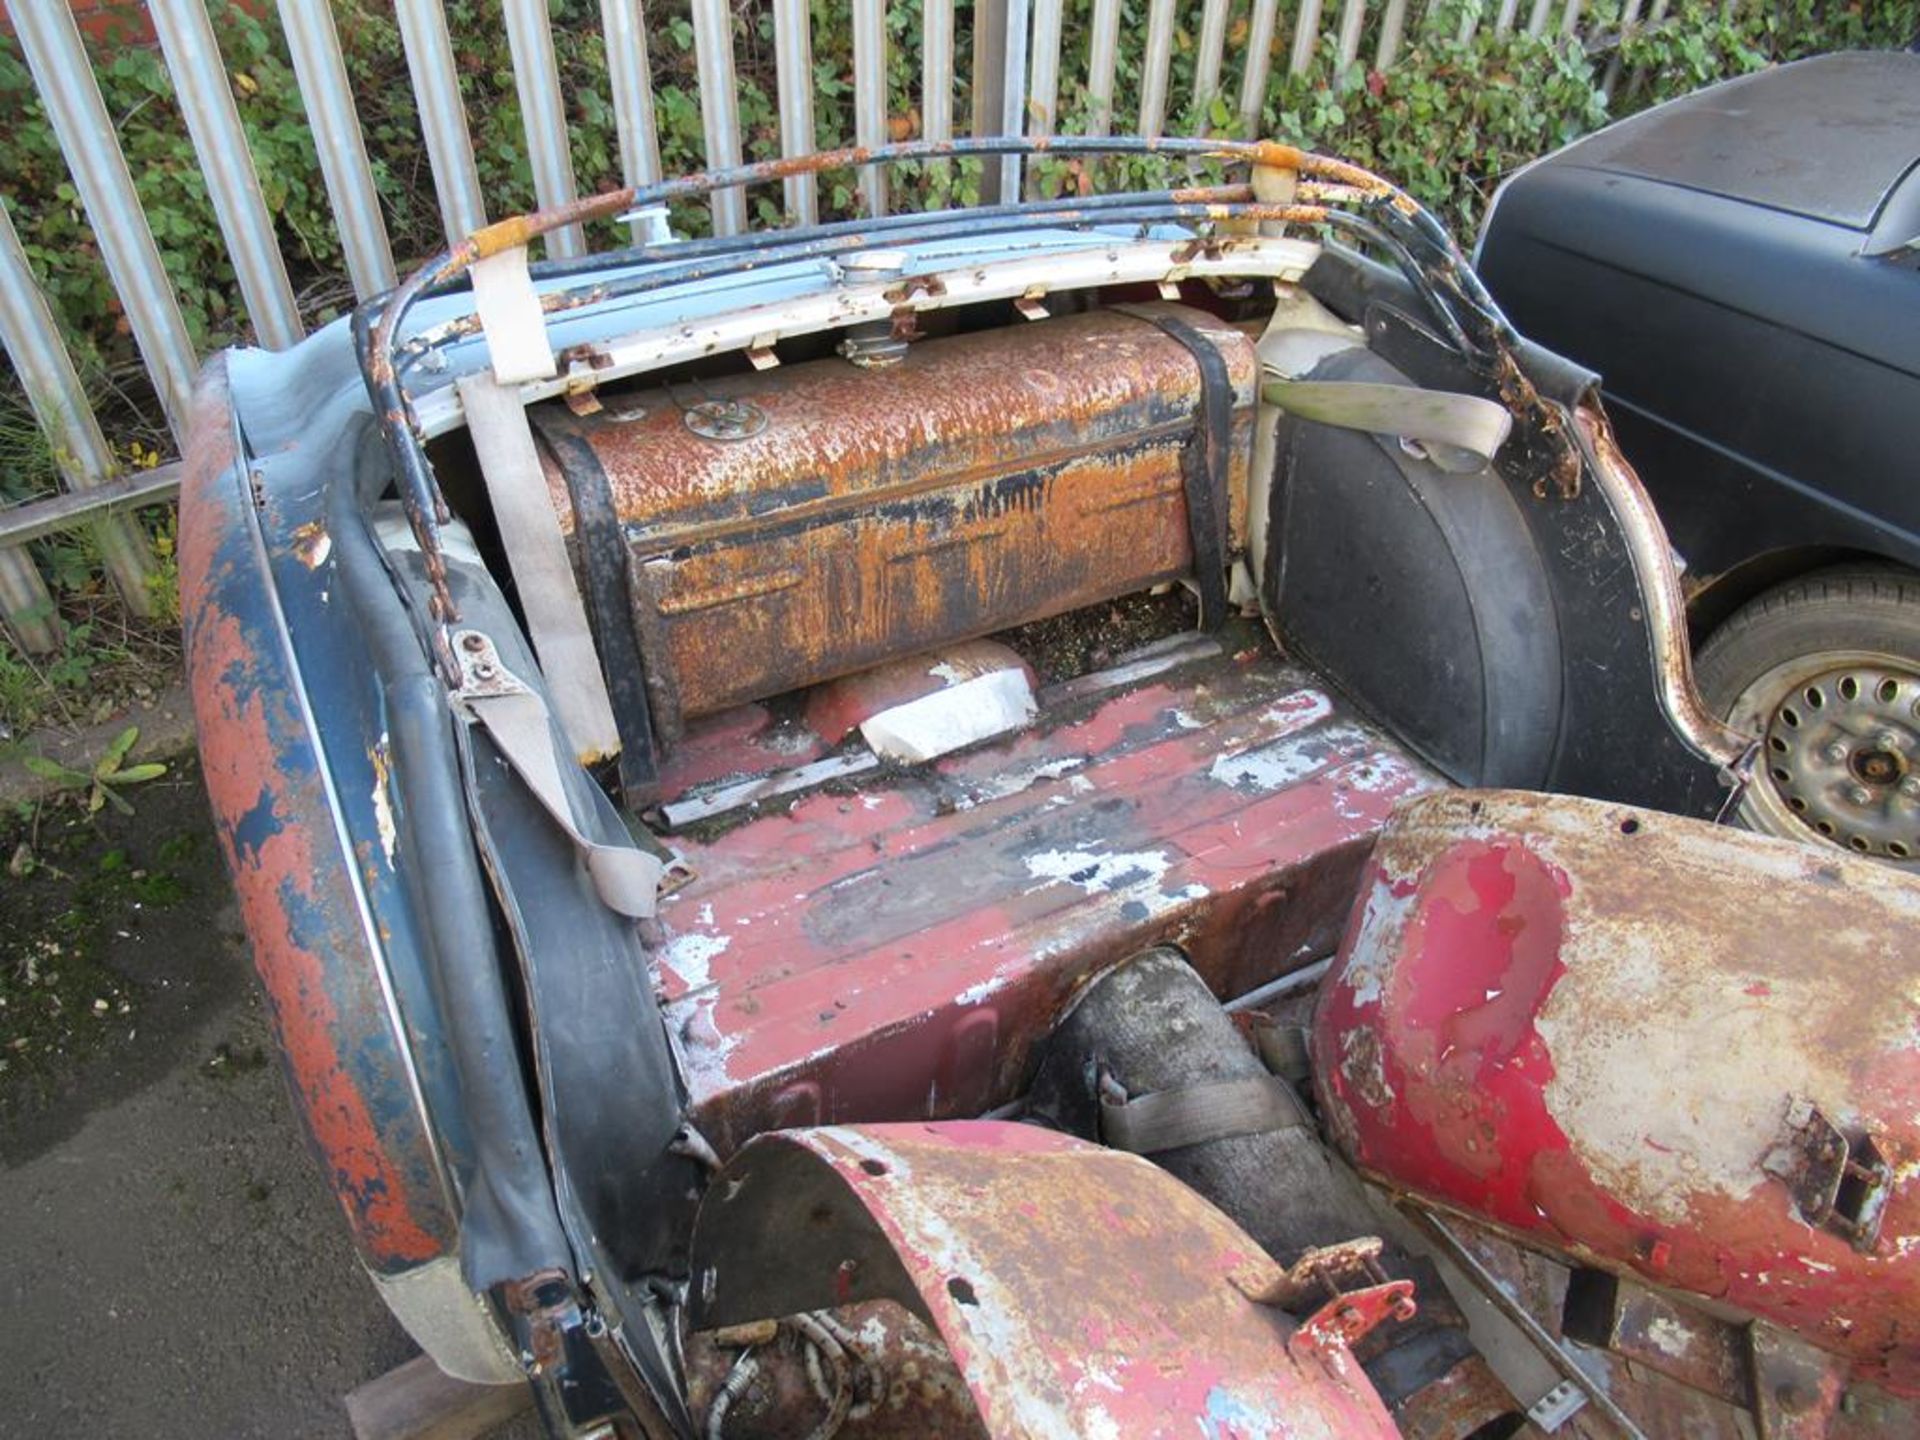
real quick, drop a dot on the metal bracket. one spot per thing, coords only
(627, 880)
(1557, 1406)
(1345, 1322)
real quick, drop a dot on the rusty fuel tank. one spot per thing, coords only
(1683, 1053)
(777, 529)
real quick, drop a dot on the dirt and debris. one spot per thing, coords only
(1064, 646)
(105, 949)
(175, 1265)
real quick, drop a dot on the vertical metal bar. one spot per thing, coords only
(793, 65)
(1537, 20)
(1570, 18)
(989, 81)
(1154, 68)
(1043, 98)
(1353, 16)
(1253, 79)
(630, 77)
(1509, 11)
(536, 80)
(1393, 26)
(936, 70)
(32, 341)
(336, 135)
(870, 94)
(51, 41)
(1629, 22)
(1207, 57)
(719, 106)
(1013, 93)
(1306, 35)
(1103, 60)
(25, 602)
(205, 94)
(443, 119)
(1469, 20)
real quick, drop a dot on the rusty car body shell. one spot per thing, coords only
(1610, 1033)
(525, 1097)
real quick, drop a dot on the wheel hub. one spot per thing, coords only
(1843, 756)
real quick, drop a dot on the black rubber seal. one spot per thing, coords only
(1203, 463)
(603, 553)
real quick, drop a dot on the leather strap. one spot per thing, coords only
(626, 879)
(537, 554)
(1204, 462)
(1196, 1114)
(1461, 433)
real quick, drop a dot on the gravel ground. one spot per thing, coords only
(173, 1265)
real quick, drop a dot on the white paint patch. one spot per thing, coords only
(1283, 762)
(961, 715)
(383, 798)
(1668, 1336)
(1187, 722)
(1138, 875)
(690, 956)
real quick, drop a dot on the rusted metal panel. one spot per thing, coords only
(1081, 1291)
(1679, 1341)
(1605, 1031)
(895, 950)
(344, 1055)
(807, 522)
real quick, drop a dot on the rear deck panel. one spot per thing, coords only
(894, 950)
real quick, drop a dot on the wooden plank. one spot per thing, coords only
(418, 1401)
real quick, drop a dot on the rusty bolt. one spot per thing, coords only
(473, 641)
(1795, 1399)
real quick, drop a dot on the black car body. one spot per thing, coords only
(1742, 266)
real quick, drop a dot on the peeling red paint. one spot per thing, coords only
(894, 951)
(1589, 1035)
(1152, 1335)
(293, 888)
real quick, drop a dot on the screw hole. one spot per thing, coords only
(1825, 827)
(1629, 826)
(1815, 698)
(1775, 743)
(1790, 715)
(1859, 842)
(1888, 692)
(962, 1290)
(1897, 850)
(1849, 688)
(1798, 805)
(1781, 775)
(874, 1167)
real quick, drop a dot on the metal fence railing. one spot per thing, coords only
(1014, 81)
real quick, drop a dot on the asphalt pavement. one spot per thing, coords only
(171, 1262)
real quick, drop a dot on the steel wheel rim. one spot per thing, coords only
(1840, 753)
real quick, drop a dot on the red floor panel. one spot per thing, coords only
(894, 951)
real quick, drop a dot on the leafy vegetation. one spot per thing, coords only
(1449, 119)
(109, 775)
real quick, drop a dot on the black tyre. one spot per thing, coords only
(1826, 668)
